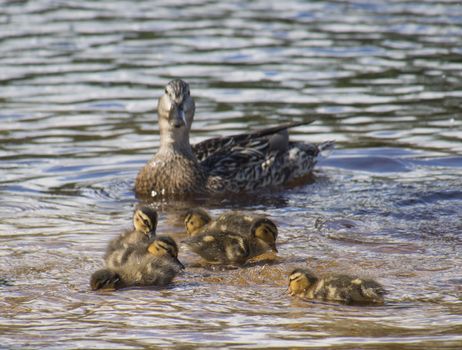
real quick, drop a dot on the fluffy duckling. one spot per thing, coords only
(220, 247)
(265, 230)
(264, 234)
(153, 264)
(237, 163)
(225, 247)
(157, 264)
(144, 230)
(342, 288)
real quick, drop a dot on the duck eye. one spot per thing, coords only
(172, 252)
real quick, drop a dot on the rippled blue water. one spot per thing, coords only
(79, 82)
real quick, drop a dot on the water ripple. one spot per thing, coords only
(79, 85)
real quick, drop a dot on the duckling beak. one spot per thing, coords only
(289, 291)
(273, 248)
(179, 263)
(177, 117)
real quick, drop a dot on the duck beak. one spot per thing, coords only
(273, 248)
(179, 263)
(177, 116)
(289, 291)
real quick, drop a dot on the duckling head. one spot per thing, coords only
(145, 220)
(176, 110)
(105, 279)
(301, 280)
(195, 219)
(165, 246)
(265, 230)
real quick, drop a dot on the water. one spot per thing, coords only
(79, 83)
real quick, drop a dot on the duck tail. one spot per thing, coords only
(326, 148)
(275, 129)
(372, 290)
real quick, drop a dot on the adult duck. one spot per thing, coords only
(239, 163)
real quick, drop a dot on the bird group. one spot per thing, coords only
(140, 257)
(243, 163)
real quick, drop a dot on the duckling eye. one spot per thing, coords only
(172, 252)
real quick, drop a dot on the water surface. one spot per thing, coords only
(79, 83)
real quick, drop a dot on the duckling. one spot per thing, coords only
(218, 246)
(239, 163)
(265, 230)
(144, 230)
(342, 288)
(153, 264)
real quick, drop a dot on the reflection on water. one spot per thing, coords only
(79, 83)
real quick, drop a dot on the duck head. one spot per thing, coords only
(196, 219)
(175, 109)
(300, 280)
(165, 246)
(145, 220)
(265, 230)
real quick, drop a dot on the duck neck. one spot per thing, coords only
(177, 141)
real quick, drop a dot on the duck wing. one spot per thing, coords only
(258, 139)
(229, 160)
(220, 247)
(159, 271)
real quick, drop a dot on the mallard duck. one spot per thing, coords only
(153, 264)
(265, 230)
(221, 246)
(342, 288)
(144, 230)
(238, 163)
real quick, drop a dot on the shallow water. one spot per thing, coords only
(79, 83)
